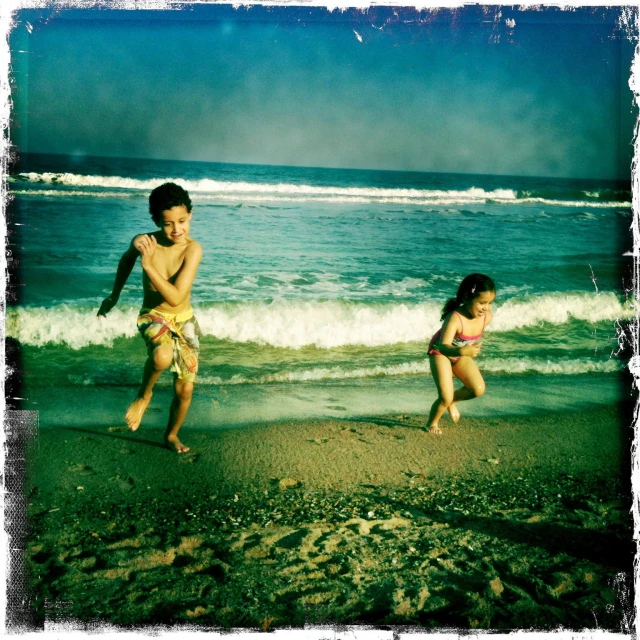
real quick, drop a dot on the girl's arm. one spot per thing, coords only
(489, 318)
(174, 294)
(451, 327)
(125, 266)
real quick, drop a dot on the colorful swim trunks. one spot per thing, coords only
(181, 330)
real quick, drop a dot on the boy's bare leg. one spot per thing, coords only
(177, 413)
(156, 363)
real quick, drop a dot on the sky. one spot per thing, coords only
(464, 91)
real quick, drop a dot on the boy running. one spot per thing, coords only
(169, 259)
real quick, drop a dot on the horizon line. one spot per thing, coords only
(292, 166)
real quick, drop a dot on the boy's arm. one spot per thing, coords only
(174, 294)
(125, 266)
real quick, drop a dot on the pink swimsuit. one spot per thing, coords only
(460, 340)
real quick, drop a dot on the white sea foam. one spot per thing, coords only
(296, 324)
(207, 189)
(421, 367)
(558, 308)
(564, 366)
(316, 286)
(221, 187)
(584, 204)
(413, 368)
(321, 324)
(52, 193)
(74, 328)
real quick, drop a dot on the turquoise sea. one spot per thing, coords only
(319, 288)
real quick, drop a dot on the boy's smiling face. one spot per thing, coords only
(175, 224)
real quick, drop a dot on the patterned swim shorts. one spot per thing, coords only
(181, 330)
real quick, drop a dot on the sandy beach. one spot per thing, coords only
(499, 523)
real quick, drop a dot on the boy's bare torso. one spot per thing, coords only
(169, 261)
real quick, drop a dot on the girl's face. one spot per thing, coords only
(478, 306)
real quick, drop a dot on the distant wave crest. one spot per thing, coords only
(207, 189)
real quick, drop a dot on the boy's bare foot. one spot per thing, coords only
(172, 442)
(435, 430)
(454, 413)
(136, 411)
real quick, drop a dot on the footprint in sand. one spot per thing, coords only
(125, 483)
(188, 457)
(83, 469)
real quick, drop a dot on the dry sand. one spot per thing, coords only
(504, 523)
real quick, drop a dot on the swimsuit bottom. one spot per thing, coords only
(459, 341)
(433, 351)
(181, 330)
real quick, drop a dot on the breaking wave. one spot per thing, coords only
(296, 324)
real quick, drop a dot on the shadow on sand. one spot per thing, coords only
(103, 434)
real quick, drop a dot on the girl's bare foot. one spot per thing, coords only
(454, 413)
(136, 411)
(172, 442)
(435, 430)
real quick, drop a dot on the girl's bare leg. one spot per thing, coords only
(179, 407)
(442, 374)
(156, 363)
(466, 370)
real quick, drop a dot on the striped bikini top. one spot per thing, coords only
(461, 339)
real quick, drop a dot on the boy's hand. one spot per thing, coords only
(471, 350)
(107, 305)
(146, 245)
(141, 241)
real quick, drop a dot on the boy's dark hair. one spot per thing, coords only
(167, 196)
(471, 287)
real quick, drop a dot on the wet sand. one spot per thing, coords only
(497, 524)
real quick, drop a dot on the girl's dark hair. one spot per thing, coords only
(471, 287)
(167, 196)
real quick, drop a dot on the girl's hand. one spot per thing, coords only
(471, 350)
(147, 246)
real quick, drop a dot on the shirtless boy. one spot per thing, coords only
(170, 259)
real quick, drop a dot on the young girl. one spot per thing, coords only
(453, 348)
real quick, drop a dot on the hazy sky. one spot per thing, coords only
(456, 91)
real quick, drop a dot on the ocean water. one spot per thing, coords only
(320, 288)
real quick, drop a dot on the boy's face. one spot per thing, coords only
(175, 224)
